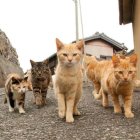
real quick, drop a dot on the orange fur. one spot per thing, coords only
(68, 79)
(94, 70)
(119, 81)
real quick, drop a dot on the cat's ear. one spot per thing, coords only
(115, 60)
(46, 61)
(15, 81)
(32, 63)
(80, 45)
(133, 59)
(59, 44)
(25, 78)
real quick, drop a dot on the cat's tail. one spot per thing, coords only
(97, 95)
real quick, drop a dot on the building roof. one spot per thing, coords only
(126, 11)
(114, 43)
(130, 52)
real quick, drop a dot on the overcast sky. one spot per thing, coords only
(33, 25)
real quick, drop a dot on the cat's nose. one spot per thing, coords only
(70, 60)
(125, 79)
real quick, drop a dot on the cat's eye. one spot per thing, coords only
(64, 54)
(74, 54)
(130, 72)
(120, 72)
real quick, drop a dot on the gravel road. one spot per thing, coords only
(95, 122)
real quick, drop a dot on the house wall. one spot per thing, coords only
(98, 47)
(136, 32)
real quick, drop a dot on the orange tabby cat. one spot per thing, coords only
(68, 78)
(118, 80)
(94, 70)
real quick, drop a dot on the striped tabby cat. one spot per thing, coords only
(40, 79)
(119, 80)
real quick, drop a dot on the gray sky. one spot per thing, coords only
(33, 25)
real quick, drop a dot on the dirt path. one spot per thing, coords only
(95, 122)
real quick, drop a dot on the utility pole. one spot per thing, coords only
(76, 20)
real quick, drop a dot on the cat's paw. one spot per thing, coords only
(21, 111)
(105, 104)
(44, 101)
(11, 109)
(97, 95)
(62, 114)
(129, 115)
(38, 101)
(69, 119)
(77, 113)
(117, 110)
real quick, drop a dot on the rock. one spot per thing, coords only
(9, 62)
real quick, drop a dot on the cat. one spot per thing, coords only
(15, 89)
(40, 79)
(68, 78)
(119, 80)
(27, 75)
(94, 69)
(121, 54)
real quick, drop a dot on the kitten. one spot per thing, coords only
(119, 80)
(94, 70)
(68, 78)
(40, 79)
(15, 89)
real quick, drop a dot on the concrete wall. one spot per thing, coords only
(136, 32)
(99, 47)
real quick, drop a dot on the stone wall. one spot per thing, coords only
(8, 59)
